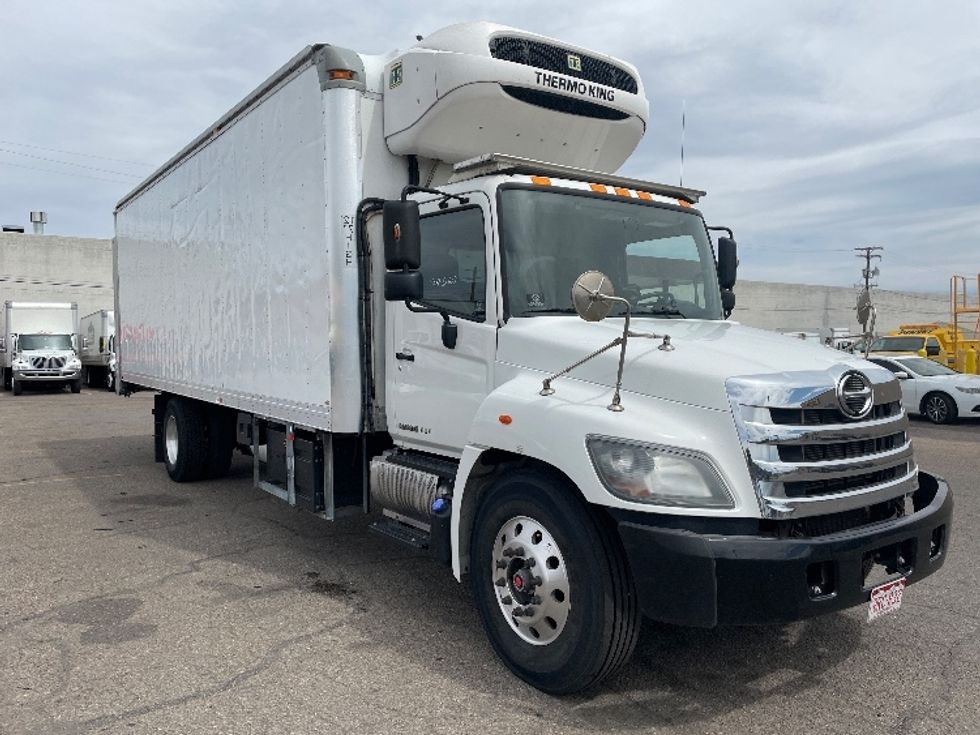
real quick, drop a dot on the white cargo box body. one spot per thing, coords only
(28, 317)
(236, 281)
(96, 330)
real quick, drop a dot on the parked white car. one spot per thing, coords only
(933, 390)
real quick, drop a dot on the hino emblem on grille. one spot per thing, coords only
(854, 394)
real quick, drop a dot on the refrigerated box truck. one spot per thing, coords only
(38, 344)
(98, 349)
(413, 284)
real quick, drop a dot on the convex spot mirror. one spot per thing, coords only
(403, 250)
(902, 375)
(932, 350)
(590, 296)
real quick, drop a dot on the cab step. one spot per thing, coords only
(401, 532)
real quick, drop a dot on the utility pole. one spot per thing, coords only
(866, 313)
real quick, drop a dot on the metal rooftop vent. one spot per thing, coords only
(39, 219)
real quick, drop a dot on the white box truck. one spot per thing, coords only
(369, 276)
(98, 349)
(38, 344)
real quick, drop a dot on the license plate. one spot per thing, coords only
(885, 598)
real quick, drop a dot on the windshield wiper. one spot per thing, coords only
(661, 312)
(556, 310)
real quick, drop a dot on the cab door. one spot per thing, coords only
(434, 389)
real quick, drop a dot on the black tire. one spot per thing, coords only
(939, 408)
(602, 621)
(6, 379)
(16, 386)
(76, 385)
(185, 458)
(110, 380)
(221, 441)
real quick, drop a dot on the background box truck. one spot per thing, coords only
(98, 349)
(38, 344)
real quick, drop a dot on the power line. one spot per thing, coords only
(64, 173)
(69, 163)
(75, 153)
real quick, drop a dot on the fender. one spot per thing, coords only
(516, 419)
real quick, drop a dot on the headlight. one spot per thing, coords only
(73, 363)
(20, 362)
(962, 389)
(649, 473)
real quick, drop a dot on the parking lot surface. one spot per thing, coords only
(131, 604)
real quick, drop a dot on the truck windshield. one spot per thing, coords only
(898, 344)
(658, 258)
(44, 342)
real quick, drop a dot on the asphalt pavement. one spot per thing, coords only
(131, 604)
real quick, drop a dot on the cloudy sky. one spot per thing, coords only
(815, 127)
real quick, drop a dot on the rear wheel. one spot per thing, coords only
(939, 408)
(551, 584)
(76, 385)
(185, 440)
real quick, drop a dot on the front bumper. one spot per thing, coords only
(46, 375)
(707, 579)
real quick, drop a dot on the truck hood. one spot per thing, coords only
(706, 354)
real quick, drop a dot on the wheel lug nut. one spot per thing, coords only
(535, 581)
(529, 562)
(507, 600)
(517, 612)
(535, 600)
(500, 582)
(501, 564)
(519, 551)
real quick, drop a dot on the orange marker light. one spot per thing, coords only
(541, 180)
(645, 195)
(505, 419)
(598, 187)
(338, 74)
(683, 203)
(622, 192)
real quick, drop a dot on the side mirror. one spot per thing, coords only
(85, 343)
(902, 375)
(3, 344)
(593, 296)
(403, 235)
(727, 263)
(932, 350)
(403, 250)
(403, 285)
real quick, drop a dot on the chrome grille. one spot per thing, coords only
(807, 457)
(47, 363)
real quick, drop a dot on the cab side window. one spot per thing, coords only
(889, 366)
(454, 262)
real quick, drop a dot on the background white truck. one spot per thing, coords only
(38, 345)
(98, 349)
(366, 276)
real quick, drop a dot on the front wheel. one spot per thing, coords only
(551, 583)
(939, 408)
(76, 385)
(16, 386)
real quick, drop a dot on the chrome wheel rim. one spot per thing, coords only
(936, 409)
(170, 439)
(530, 580)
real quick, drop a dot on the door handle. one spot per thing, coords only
(405, 356)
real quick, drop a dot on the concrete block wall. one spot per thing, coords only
(796, 307)
(54, 268)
